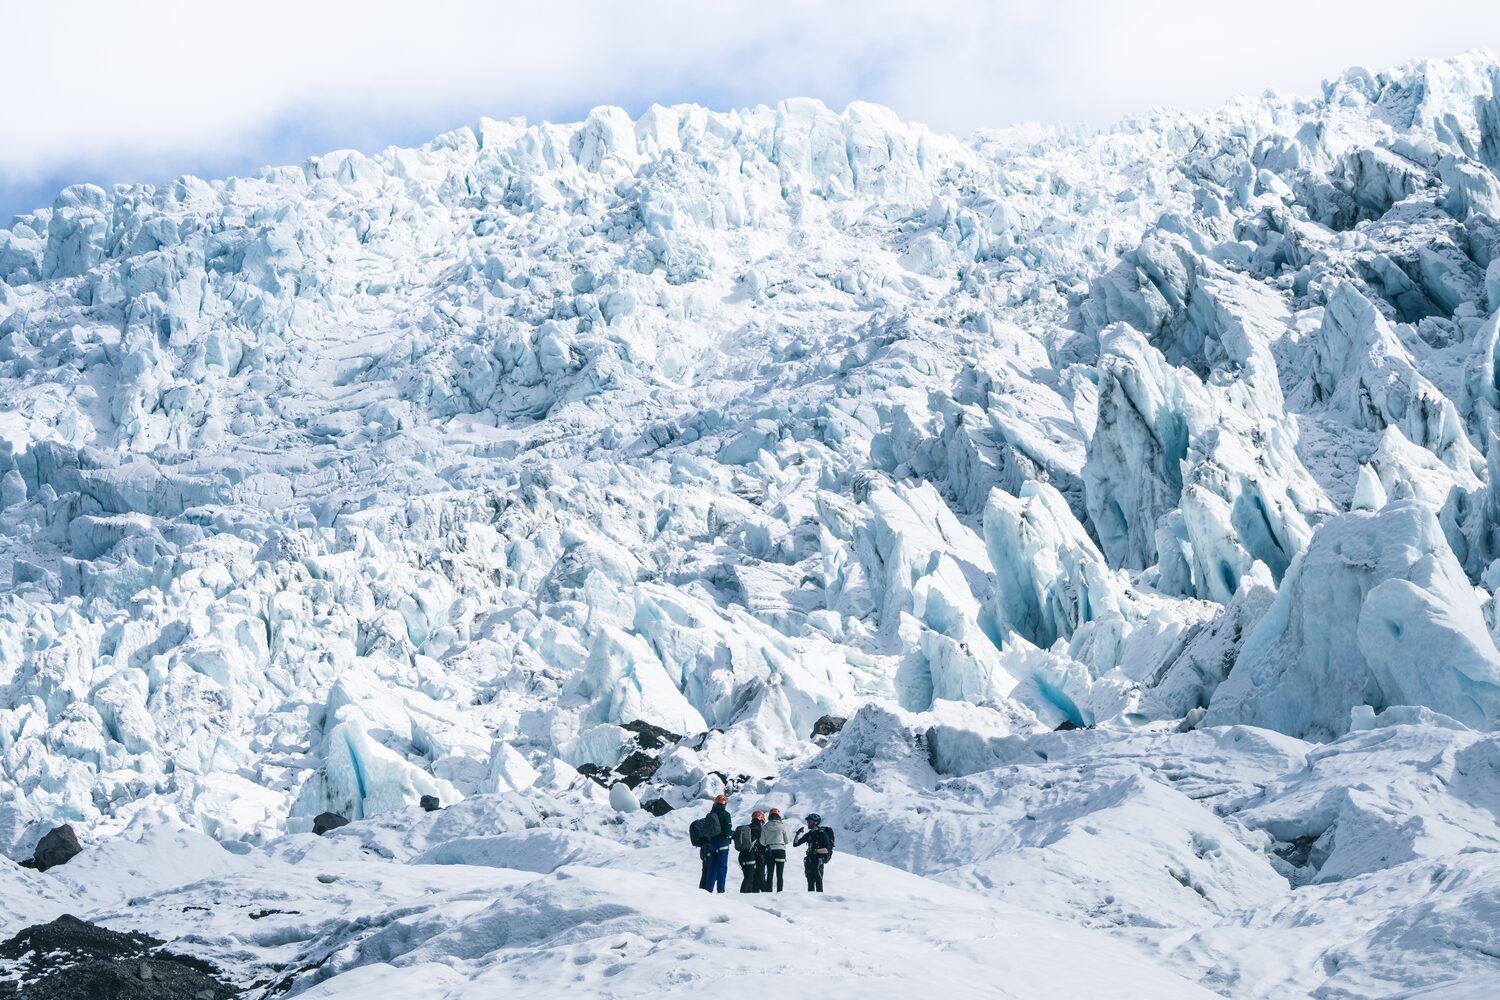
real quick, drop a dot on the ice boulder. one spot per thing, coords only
(622, 799)
(1377, 612)
(363, 778)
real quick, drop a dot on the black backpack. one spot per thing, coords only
(744, 839)
(704, 829)
(827, 841)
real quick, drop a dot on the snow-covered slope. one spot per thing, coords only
(638, 447)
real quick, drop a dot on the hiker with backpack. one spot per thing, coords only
(819, 841)
(710, 834)
(773, 843)
(747, 845)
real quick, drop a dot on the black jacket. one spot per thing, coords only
(815, 840)
(726, 829)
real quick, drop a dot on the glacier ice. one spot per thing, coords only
(1376, 612)
(537, 455)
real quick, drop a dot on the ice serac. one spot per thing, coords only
(1376, 612)
(1197, 481)
(1050, 577)
(931, 577)
(1360, 371)
(1133, 477)
(1187, 680)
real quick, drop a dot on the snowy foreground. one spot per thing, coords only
(1135, 496)
(1124, 865)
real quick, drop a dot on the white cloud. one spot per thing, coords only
(163, 86)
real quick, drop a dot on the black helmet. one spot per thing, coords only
(814, 818)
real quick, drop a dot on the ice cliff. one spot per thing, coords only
(323, 485)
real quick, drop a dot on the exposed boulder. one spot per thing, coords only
(58, 847)
(827, 726)
(650, 737)
(324, 822)
(638, 765)
(635, 769)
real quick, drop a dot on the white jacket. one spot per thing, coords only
(773, 835)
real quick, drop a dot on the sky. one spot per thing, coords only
(108, 91)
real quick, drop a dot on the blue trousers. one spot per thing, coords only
(715, 871)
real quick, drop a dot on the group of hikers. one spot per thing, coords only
(760, 846)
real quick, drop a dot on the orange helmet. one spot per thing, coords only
(720, 800)
(758, 815)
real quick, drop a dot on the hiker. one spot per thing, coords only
(716, 850)
(747, 844)
(710, 834)
(819, 841)
(773, 842)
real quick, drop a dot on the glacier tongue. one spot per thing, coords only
(554, 471)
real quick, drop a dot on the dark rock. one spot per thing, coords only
(72, 959)
(431, 804)
(636, 769)
(649, 737)
(1297, 852)
(1066, 726)
(656, 807)
(828, 725)
(324, 822)
(640, 764)
(58, 847)
(263, 914)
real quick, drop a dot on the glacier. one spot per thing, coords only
(1130, 492)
